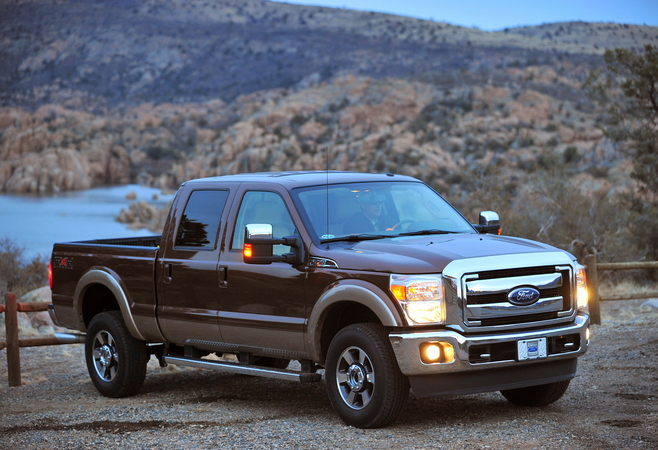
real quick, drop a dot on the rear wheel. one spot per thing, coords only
(542, 395)
(364, 384)
(115, 360)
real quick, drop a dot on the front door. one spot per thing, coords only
(263, 305)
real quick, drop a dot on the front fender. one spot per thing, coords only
(94, 277)
(356, 291)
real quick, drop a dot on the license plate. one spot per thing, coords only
(531, 349)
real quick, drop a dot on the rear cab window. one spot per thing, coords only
(199, 224)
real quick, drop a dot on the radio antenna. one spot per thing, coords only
(326, 153)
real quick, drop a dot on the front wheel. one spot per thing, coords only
(364, 383)
(542, 395)
(115, 360)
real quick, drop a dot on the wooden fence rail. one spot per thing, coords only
(13, 343)
(593, 268)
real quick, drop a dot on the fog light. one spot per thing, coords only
(433, 352)
(587, 334)
(436, 353)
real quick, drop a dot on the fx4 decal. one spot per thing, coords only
(63, 262)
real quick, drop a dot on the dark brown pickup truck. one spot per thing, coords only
(373, 281)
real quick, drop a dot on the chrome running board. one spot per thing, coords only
(242, 369)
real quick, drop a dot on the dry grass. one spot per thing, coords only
(628, 312)
(626, 286)
(639, 311)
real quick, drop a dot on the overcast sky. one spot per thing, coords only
(493, 15)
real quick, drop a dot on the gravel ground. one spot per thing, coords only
(611, 404)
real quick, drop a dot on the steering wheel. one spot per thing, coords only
(400, 223)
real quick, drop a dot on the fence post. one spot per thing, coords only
(593, 289)
(13, 346)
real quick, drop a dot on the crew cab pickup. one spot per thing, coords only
(371, 281)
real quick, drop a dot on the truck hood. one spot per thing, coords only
(425, 254)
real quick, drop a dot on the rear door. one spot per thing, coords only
(189, 278)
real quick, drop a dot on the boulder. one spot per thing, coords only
(650, 305)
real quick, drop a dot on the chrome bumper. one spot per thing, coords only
(407, 348)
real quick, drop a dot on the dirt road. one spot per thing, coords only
(611, 404)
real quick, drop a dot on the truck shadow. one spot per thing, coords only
(202, 389)
(205, 388)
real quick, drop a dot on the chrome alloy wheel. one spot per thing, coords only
(106, 356)
(355, 378)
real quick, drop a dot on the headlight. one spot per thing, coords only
(582, 296)
(421, 298)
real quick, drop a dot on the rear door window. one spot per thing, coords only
(199, 224)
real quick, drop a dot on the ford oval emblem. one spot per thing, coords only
(523, 296)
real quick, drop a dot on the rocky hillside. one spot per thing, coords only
(97, 92)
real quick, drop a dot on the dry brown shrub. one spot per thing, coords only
(17, 274)
(551, 207)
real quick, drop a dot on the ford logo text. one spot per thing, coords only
(523, 296)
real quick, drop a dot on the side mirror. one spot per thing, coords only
(257, 237)
(489, 223)
(259, 245)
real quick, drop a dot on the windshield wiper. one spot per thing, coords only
(355, 237)
(424, 232)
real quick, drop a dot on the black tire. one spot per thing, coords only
(542, 395)
(271, 362)
(115, 360)
(364, 383)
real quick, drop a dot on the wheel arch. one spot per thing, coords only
(101, 284)
(345, 303)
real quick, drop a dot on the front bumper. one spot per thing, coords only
(489, 361)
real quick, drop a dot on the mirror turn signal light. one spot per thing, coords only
(437, 353)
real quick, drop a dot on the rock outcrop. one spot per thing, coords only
(144, 215)
(436, 134)
(57, 149)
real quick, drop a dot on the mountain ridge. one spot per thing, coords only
(109, 54)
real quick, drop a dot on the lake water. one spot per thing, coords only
(36, 223)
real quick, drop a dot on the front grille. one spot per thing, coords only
(486, 296)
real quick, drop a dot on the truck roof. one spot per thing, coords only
(306, 178)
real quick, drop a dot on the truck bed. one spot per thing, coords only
(128, 263)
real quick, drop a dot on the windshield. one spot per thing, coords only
(378, 209)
